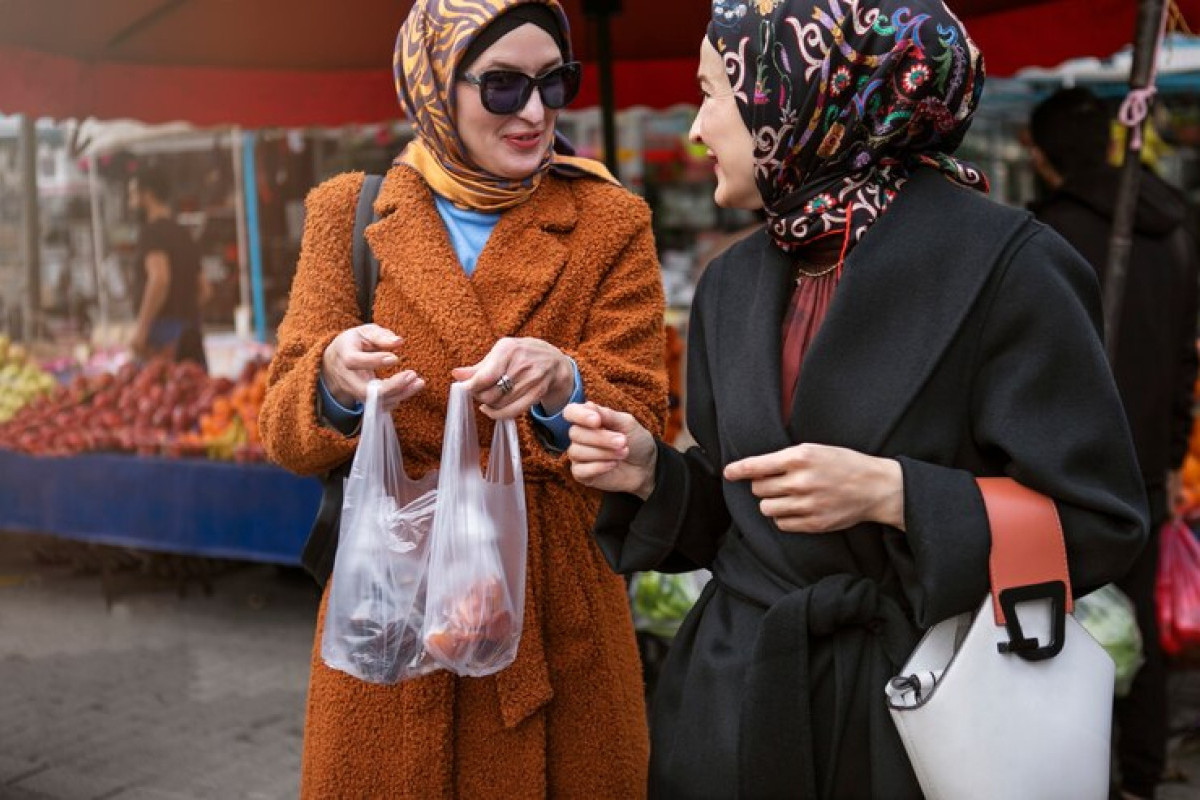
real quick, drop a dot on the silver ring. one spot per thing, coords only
(505, 384)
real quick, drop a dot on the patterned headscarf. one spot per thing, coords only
(429, 49)
(843, 98)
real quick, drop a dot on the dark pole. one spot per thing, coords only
(33, 228)
(602, 12)
(1141, 76)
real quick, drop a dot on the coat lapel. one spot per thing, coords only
(751, 298)
(905, 293)
(520, 263)
(524, 257)
(417, 259)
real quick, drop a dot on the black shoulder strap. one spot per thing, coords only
(320, 549)
(366, 266)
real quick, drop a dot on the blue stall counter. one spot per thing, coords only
(217, 509)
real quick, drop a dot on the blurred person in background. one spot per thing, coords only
(168, 278)
(531, 276)
(1155, 364)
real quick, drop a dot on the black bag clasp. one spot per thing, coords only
(1031, 649)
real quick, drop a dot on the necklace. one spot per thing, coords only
(802, 273)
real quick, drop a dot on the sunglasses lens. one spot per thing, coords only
(505, 92)
(560, 86)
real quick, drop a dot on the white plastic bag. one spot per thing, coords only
(377, 590)
(475, 605)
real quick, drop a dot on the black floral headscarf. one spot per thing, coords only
(844, 98)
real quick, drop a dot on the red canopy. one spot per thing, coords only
(261, 63)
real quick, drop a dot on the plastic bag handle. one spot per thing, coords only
(504, 460)
(460, 413)
(369, 434)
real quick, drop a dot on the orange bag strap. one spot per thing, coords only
(1028, 560)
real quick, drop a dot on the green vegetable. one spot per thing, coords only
(1107, 614)
(661, 601)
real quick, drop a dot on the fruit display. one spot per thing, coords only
(1191, 471)
(156, 408)
(21, 380)
(228, 430)
(86, 360)
(1191, 463)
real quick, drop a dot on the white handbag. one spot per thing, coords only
(994, 707)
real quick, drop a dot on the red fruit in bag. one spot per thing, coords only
(500, 627)
(475, 609)
(478, 617)
(446, 644)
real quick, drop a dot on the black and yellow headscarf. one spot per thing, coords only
(430, 49)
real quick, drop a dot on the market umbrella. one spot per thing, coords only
(268, 63)
(261, 63)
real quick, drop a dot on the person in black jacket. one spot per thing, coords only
(1155, 363)
(890, 336)
(168, 276)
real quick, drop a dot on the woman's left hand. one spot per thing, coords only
(815, 488)
(537, 372)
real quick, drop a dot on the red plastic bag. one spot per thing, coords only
(1178, 588)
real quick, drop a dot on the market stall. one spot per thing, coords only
(259, 65)
(154, 456)
(254, 512)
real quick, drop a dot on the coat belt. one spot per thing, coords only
(775, 742)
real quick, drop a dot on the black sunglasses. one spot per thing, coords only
(504, 91)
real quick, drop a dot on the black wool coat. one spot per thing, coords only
(963, 342)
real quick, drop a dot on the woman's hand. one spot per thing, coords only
(350, 361)
(814, 488)
(610, 450)
(536, 372)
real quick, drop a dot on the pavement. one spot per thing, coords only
(119, 688)
(158, 697)
(1183, 759)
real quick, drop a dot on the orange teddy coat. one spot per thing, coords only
(574, 265)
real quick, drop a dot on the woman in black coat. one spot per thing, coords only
(943, 338)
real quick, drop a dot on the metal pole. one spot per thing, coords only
(242, 313)
(33, 229)
(1150, 25)
(602, 11)
(255, 240)
(97, 244)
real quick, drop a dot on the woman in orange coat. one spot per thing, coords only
(531, 276)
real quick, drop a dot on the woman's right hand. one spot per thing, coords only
(610, 450)
(350, 361)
